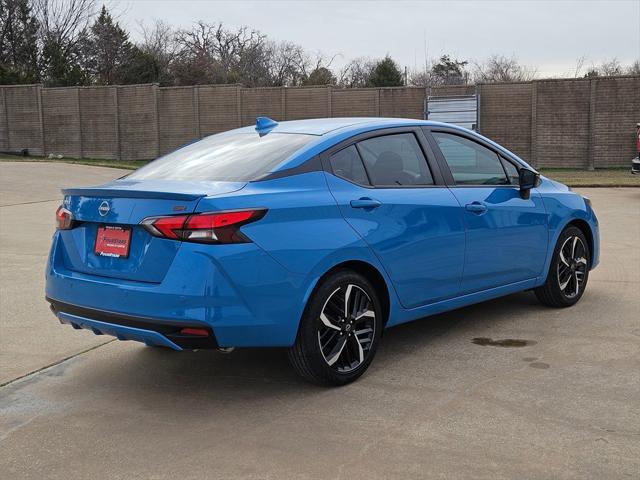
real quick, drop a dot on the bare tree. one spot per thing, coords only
(579, 65)
(287, 62)
(63, 20)
(611, 68)
(499, 68)
(420, 78)
(217, 51)
(634, 68)
(159, 42)
(608, 68)
(62, 30)
(356, 73)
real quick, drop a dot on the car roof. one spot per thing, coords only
(322, 126)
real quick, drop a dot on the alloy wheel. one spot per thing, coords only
(347, 328)
(572, 266)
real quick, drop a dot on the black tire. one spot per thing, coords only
(327, 355)
(555, 292)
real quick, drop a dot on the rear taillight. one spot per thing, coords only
(64, 219)
(218, 227)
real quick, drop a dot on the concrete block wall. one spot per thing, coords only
(265, 102)
(615, 112)
(361, 102)
(177, 117)
(402, 102)
(4, 125)
(60, 111)
(554, 123)
(562, 126)
(312, 102)
(99, 127)
(506, 116)
(219, 109)
(452, 90)
(138, 122)
(23, 119)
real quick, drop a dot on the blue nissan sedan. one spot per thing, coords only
(314, 235)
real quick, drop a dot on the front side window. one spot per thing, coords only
(470, 163)
(233, 157)
(395, 160)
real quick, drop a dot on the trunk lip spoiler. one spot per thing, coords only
(124, 193)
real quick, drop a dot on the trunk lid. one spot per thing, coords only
(125, 203)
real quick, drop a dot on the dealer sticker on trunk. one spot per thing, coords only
(113, 241)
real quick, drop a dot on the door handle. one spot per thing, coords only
(365, 202)
(476, 207)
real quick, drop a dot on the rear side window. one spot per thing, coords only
(347, 164)
(234, 157)
(395, 160)
(470, 163)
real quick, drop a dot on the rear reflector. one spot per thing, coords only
(64, 219)
(201, 332)
(215, 227)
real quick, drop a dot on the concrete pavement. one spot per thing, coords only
(29, 197)
(433, 405)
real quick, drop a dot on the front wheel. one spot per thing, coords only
(339, 331)
(568, 272)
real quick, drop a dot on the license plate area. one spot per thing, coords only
(113, 241)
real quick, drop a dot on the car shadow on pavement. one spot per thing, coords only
(249, 388)
(266, 370)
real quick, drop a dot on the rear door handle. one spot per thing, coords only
(476, 207)
(365, 202)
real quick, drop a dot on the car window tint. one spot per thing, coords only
(234, 157)
(512, 171)
(469, 162)
(395, 160)
(347, 164)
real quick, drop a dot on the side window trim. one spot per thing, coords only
(366, 169)
(444, 166)
(428, 152)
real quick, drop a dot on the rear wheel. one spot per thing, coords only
(339, 330)
(568, 272)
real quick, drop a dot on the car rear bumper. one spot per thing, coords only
(125, 327)
(238, 292)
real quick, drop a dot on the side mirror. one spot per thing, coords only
(528, 179)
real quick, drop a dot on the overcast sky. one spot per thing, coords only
(548, 35)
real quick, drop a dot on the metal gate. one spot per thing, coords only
(460, 110)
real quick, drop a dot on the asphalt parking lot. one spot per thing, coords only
(433, 405)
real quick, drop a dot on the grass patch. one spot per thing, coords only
(94, 162)
(601, 177)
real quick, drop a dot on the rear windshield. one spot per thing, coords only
(239, 157)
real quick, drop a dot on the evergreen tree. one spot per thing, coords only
(141, 67)
(62, 64)
(320, 76)
(18, 45)
(107, 50)
(386, 74)
(448, 71)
